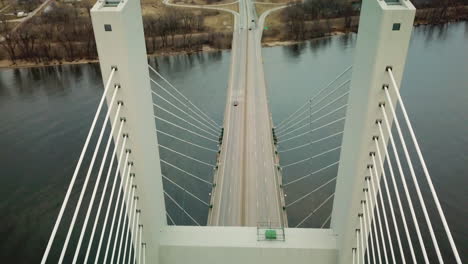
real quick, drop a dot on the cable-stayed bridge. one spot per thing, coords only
(162, 154)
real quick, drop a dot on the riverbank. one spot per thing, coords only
(7, 64)
(276, 43)
(293, 24)
(20, 64)
(268, 40)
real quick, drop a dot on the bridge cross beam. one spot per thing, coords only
(118, 29)
(383, 40)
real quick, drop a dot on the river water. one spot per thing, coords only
(46, 113)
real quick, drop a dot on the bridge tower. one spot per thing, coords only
(384, 34)
(118, 29)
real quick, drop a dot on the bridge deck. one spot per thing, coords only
(247, 189)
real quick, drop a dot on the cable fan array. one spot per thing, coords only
(389, 212)
(116, 233)
(303, 140)
(189, 146)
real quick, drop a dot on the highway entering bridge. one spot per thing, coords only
(247, 183)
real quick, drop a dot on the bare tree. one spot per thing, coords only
(91, 49)
(347, 12)
(66, 35)
(44, 48)
(9, 43)
(199, 23)
(187, 27)
(172, 23)
(162, 27)
(295, 21)
(10, 39)
(149, 34)
(27, 38)
(317, 30)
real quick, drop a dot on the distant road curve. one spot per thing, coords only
(31, 14)
(212, 7)
(263, 16)
(25, 19)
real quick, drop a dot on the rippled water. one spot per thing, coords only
(46, 113)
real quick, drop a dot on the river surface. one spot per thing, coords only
(46, 113)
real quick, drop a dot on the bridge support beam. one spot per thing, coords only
(383, 40)
(233, 245)
(118, 29)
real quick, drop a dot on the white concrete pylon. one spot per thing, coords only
(383, 40)
(118, 29)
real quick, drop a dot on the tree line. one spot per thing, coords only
(440, 11)
(65, 35)
(181, 30)
(298, 17)
(313, 18)
(59, 35)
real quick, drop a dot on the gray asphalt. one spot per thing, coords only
(247, 190)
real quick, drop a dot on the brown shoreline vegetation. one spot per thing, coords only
(320, 18)
(65, 36)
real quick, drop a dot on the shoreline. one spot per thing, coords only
(279, 43)
(6, 64)
(21, 64)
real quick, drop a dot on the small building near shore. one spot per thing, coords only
(21, 14)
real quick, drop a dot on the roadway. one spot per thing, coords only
(247, 183)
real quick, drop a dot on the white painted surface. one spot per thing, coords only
(124, 47)
(377, 46)
(239, 245)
